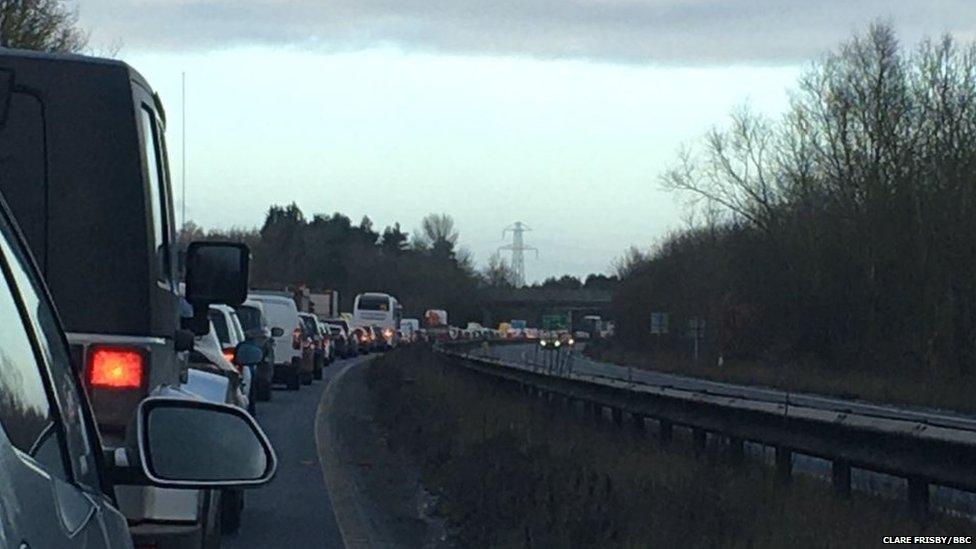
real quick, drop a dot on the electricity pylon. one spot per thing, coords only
(518, 249)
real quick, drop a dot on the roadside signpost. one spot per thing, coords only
(696, 330)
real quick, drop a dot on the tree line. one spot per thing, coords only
(424, 270)
(843, 232)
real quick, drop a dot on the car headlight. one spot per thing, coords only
(556, 344)
(572, 341)
(542, 343)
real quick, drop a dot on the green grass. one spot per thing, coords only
(912, 388)
(511, 471)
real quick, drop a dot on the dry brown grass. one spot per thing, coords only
(513, 471)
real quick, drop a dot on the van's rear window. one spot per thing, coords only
(250, 317)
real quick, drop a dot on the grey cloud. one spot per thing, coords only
(631, 31)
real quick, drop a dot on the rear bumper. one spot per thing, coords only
(283, 371)
(166, 535)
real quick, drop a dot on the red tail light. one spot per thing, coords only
(296, 339)
(229, 354)
(115, 368)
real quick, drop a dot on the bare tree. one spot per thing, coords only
(438, 228)
(45, 25)
(498, 273)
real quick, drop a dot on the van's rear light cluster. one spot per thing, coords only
(229, 354)
(115, 368)
(296, 338)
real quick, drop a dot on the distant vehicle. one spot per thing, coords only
(434, 318)
(230, 334)
(363, 335)
(350, 344)
(376, 309)
(324, 305)
(592, 325)
(321, 349)
(409, 327)
(341, 342)
(85, 172)
(293, 359)
(58, 479)
(258, 331)
(386, 338)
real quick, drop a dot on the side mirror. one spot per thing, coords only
(217, 272)
(277, 332)
(199, 444)
(248, 354)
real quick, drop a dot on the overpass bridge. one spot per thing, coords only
(531, 304)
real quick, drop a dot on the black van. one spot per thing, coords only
(83, 166)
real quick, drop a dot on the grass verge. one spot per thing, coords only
(512, 471)
(934, 390)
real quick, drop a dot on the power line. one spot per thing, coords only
(518, 249)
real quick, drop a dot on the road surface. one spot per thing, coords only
(294, 510)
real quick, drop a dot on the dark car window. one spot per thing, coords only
(310, 326)
(220, 326)
(154, 169)
(250, 317)
(22, 157)
(26, 413)
(63, 376)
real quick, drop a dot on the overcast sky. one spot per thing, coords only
(558, 113)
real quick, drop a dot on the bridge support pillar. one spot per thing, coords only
(840, 473)
(918, 497)
(784, 465)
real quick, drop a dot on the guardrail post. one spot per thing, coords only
(665, 431)
(736, 449)
(784, 464)
(840, 473)
(699, 436)
(918, 497)
(618, 416)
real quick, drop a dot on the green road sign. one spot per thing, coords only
(553, 322)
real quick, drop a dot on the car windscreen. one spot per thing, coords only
(374, 303)
(250, 317)
(220, 326)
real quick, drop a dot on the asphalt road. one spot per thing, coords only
(294, 510)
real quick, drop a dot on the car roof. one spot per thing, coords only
(271, 298)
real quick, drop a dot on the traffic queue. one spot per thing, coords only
(132, 365)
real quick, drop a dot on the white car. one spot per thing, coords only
(229, 332)
(291, 365)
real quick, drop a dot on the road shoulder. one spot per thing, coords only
(374, 492)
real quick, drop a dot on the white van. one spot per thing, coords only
(290, 363)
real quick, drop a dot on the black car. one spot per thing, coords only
(58, 485)
(257, 331)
